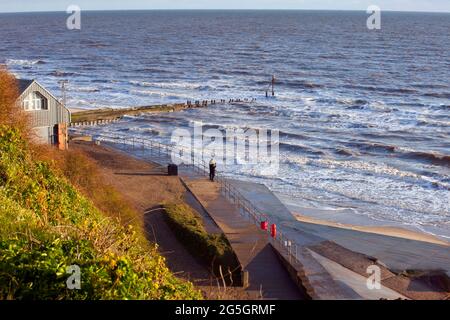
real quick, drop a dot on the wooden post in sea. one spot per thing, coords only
(273, 86)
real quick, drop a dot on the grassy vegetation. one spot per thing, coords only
(10, 115)
(83, 173)
(213, 249)
(48, 224)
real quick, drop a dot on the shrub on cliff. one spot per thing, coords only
(10, 114)
(47, 225)
(214, 249)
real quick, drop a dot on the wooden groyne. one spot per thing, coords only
(108, 115)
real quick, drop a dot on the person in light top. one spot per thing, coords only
(212, 169)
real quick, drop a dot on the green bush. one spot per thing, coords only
(84, 174)
(47, 226)
(213, 249)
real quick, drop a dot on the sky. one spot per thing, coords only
(61, 5)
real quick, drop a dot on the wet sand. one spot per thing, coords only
(383, 230)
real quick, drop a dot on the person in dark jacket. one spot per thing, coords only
(212, 169)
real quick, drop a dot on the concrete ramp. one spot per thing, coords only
(397, 253)
(354, 250)
(267, 276)
(264, 200)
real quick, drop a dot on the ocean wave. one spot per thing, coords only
(142, 130)
(285, 134)
(59, 73)
(238, 72)
(299, 84)
(372, 169)
(301, 148)
(371, 146)
(161, 94)
(155, 70)
(442, 107)
(398, 134)
(356, 107)
(335, 56)
(343, 101)
(94, 44)
(346, 152)
(433, 157)
(382, 89)
(24, 62)
(429, 86)
(434, 123)
(171, 85)
(101, 81)
(85, 89)
(442, 95)
(80, 103)
(88, 67)
(292, 84)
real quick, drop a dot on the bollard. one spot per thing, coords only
(172, 170)
(273, 231)
(245, 277)
(264, 225)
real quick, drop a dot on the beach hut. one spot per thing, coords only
(49, 117)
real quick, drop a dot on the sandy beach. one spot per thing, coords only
(383, 230)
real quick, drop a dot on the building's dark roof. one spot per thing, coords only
(24, 84)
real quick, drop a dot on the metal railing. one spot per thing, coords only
(165, 154)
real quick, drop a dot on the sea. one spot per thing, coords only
(363, 115)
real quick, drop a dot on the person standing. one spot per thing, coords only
(212, 169)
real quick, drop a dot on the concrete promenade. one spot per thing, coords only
(356, 251)
(267, 276)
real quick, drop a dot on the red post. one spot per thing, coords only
(264, 225)
(273, 231)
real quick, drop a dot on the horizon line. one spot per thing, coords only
(249, 9)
